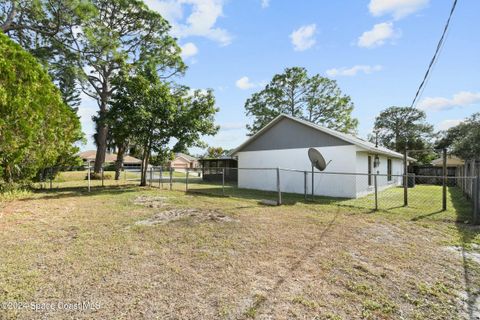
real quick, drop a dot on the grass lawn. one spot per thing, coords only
(145, 253)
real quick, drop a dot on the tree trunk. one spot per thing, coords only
(101, 138)
(146, 157)
(119, 161)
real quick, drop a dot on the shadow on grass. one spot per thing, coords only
(69, 192)
(232, 191)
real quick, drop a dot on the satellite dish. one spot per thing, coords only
(317, 159)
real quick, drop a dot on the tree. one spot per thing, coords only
(35, 25)
(463, 139)
(123, 34)
(316, 99)
(215, 152)
(157, 113)
(99, 38)
(37, 129)
(398, 128)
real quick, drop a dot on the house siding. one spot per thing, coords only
(343, 160)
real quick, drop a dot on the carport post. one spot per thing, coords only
(171, 178)
(279, 200)
(223, 182)
(376, 191)
(405, 178)
(444, 181)
(305, 185)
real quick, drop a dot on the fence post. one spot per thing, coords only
(151, 176)
(103, 185)
(89, 176)
(186, 181)
(171, 187)
(405, 178)
(305, 185)
(160, 177)
(376, 191)
(444, 181)
(476, 200)
(223, 182)
(279, 200)
(51, 178)
(124, 174)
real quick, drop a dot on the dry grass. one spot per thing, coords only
(298, 261)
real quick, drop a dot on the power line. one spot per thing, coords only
(435, 56)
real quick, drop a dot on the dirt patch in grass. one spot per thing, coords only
(178, 214)
(151, 201)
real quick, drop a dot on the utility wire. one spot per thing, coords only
(435, 56)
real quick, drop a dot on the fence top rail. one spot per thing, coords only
(310, 171)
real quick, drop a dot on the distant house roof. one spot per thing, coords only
(185, 156)
(452, 161)
(89, 155)
(368, 146)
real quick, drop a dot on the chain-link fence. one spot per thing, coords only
(275, 186)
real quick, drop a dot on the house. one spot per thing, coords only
(183, 161)
(284, 143)
(452, 162)
(212, 168)
(110, 158)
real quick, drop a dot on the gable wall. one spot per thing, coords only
(289, 134)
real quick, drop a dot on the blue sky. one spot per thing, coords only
(377, 50)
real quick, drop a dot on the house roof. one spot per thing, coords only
(361, 143)
(452, 161)
(89, 155)
(185, 156)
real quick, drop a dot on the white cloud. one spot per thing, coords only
(380, 33)
(461, 99)
(189, 49)
(397, 8)
(303, 38)
(203, 15)
(244, 83)
(350, 72)
(265, 3)
(447, 124)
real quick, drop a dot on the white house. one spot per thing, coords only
(284, 143)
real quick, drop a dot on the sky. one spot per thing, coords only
(377, 51)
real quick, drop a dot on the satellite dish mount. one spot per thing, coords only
(318, 161)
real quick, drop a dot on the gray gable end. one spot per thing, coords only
(289, 134)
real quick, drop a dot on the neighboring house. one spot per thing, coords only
(183, 161)
(452, 162)
(284, 143)
(212, 169)
(110, 158)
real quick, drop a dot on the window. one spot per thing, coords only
(389, 169)
(369, 170)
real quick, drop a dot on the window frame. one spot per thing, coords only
(389, 169)
(370, 183)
